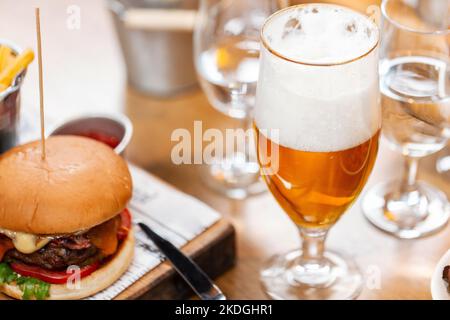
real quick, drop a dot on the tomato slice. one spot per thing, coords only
(125, 225)
(54, 277)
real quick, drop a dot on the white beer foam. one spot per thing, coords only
(321, 34)
(319, 108)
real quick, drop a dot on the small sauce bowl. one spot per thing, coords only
(114, 130)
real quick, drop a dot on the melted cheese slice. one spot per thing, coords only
(25, 242)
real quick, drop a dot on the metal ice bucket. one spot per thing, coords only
(159, 60)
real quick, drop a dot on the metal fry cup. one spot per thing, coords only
(10, 106)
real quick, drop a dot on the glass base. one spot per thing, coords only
(409, 215)
(234, 177)
(284, 278)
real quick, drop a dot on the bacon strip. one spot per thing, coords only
(5, 245)
(75, 242)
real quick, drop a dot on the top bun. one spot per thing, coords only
(80, 184)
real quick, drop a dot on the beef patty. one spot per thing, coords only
(60, 253)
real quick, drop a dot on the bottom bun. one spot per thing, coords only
(92, 284)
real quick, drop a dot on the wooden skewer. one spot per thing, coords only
(41, 82)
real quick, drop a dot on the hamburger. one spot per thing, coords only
(65, 231)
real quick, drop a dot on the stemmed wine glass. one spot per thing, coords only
(226, 51)
(415, 87)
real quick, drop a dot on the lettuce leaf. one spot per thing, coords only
(30, 287)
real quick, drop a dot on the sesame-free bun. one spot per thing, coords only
(80, 184)
(97, 281)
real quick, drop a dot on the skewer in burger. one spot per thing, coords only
(65, 232)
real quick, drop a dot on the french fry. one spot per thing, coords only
(10, 59)
(8, 74)
(5, 57)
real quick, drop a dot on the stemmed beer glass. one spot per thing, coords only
(318, 123)
(415, 87)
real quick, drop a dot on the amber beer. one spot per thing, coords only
(316, 188)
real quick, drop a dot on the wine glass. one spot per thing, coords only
(415, 87)
(226, 50)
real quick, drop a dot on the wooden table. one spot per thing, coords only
(84, 72)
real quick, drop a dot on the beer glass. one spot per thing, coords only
(318, 123)
(415, 87)
(226, 52)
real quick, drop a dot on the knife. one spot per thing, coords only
(188, 269)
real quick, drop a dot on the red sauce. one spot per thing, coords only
(106, 139)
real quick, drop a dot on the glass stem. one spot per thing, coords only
(313, 244)
(246, 124)
(312, 268)
(238, 102)
(410, 174)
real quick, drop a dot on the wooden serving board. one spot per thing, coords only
(214, 251)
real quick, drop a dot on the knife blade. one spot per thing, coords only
(188, 269)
